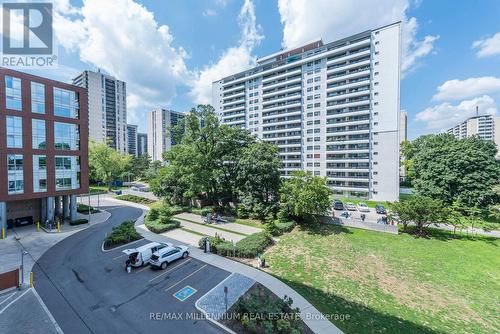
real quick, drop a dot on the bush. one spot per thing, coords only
(83, 208)
(153, 214)
(277, 227)
(203, 211)
(160, 227)
(253, 244)
(78, 222)
(135, 199)
(122, 234)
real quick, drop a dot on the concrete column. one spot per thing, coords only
(43, 210)
(3, 217)
(65, 203)
(50, 209)
(72, 207)
(57, 205)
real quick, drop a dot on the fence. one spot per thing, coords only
(9, 279)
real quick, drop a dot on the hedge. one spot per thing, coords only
(247, 247)
(135, 199)
(278, 227)
(78, 222)
(83, 208)
(156, 226)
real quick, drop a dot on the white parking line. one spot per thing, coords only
(10, 296)
(185, 278)
(180, 264)
(14, 301)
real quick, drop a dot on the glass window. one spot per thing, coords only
(67, 172)
(66, 103)
(13, 98)
(66, 136)
(37, 98)
(15, 173)
(39, 173)
(14, 132)
(38, 134)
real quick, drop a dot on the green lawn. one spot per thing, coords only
(393, 283)
(249, 222)
(370, 204)
(95, 188)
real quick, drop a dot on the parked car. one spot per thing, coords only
(362, 207)
(380, 209)
(167, 255)
(338, 205)
(350, 206)
(140, 256)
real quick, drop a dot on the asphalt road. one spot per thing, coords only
(89, 291)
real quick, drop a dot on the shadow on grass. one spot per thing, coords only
(325, 229)
(444, 235)
(352, 317)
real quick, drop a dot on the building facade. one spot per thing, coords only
(132, 140)
(160, 137)
(332, 109)
(142, 144)
(403, 136)
(107, 101)
(43, 148)
(486, 127)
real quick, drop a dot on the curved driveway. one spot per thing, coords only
(88, 291)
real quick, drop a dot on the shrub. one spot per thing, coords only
(83, 208)
(78, 222)
(203, 211)
(153, 214)
(122, 234)
(160, 227)
(253, 244)
(135, 199)
(285, 226)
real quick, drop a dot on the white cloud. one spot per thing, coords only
(461, 89)
(487, 47)
(445, 115)
(234, 59)
(123, 38)
(307, 20)
(209, 12)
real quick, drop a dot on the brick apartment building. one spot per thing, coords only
(43, 148)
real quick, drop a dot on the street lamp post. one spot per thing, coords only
(23, 253)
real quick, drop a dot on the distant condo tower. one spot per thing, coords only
(332, 109)
(107, 100)
(159, 138)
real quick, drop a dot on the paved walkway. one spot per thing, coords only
(228, 226)
(310, 315)
(205, 229)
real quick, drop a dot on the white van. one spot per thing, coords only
(140, 256)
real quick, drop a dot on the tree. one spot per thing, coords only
(420, 210)
(258, 178)
(139, 166)
(107, 164)
(445, 168)
(305, 196)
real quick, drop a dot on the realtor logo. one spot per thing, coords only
(27, 35)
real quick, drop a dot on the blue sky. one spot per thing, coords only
(168, 52)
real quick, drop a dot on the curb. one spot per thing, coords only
(205, 313)
(114, 248)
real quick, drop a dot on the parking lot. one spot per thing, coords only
(90, 291)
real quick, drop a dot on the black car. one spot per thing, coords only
(338, 205)
(379, 208)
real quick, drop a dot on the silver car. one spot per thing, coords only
(166, 255)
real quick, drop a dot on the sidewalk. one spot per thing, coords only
(310, 315)
(239, 228)
(36, 243)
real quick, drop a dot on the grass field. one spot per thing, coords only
(393, 283)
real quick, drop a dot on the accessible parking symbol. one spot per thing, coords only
(184, 293)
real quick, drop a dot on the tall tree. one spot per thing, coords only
(258, 178)
(305, 196)
(106, 163)
(445, 168)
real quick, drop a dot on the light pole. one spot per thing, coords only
(23, 253)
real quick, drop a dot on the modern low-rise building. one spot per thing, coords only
(486, 127)
(142, 144)
(132, 139)
(332, 109)
(43, 148)
(107, 101)
(160, 139)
